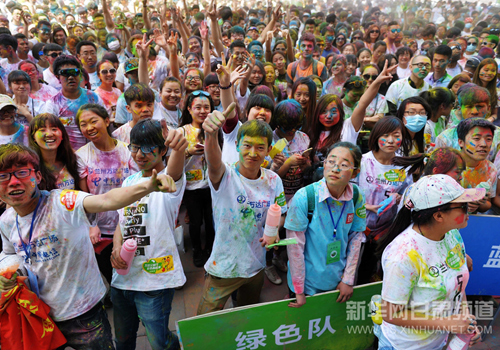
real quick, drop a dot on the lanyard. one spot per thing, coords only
(333, 221)
(27, 247)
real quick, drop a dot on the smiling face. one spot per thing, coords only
(252, 151)
(193, 62)
(149, 160)
(302, 96)
(93, 127)
(48, 137)
(171, 95)
(330, 116)
(260, 113)
(256, 75)
(477, 143)
(371, 72)
(390, 142)
(364, 58)
(20, 193)
(78, 31)
(194, 45)
(193, 80)
(20, 88)
(60, 38)
(108, 78)
(199, 109)
(487, 73)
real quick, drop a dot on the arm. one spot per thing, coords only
(276, 15)
(142, 47)
(206, 48)
(358, 115)
(213, 153)
(289, 47)
(227, 78)
(175, 140)
(249, 62)
(110, 25)
(269, 54)
(297, 265)
(145, 14)
(120, 197)
(216, 32)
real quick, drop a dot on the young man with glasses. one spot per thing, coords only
(8, 52)
(86, 52)
(51, 52)
(401, 89)
(439, 77)
(50, 232)
(453, 67)
(67, 102)
(393, 34)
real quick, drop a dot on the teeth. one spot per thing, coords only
(17, 192)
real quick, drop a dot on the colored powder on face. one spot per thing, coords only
(460, 219)
(382, 142)
(470, 148)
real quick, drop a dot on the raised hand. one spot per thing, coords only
(223, 71)
(159, 38)
(162, 182)
(277, 13)
(204, 30)
(172, 42)
(239, 73)
(385, 75)
(142, 46)
(216, 120)
(174, 138)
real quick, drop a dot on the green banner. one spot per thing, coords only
(320, 324)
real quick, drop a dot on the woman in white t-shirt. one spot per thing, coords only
(106, 72)
(197, 195)
(414, 112)
(425, 274)
(380, 180)
(103, 164)
(441, 100)
(49, 139)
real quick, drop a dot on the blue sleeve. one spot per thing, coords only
(296, 219)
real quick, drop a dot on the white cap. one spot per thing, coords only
(436, 190)
(6, 101)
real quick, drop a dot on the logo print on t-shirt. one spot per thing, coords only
(68, 199)
(349, 219)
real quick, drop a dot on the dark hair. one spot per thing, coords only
(307, 37)
(467, 125)
(236, 43)
(54, 32)
(43, 22)
(18, 75)
(442, 159)
(147, 132)
(402, 50)
(94, 108)
(438, 96)
(15, 154)
(65, 60)
(315, 128)
(8, 40)
(354, 150)
(237, 30)
(388, 125)
(392, 23)
(444, 50)
(419, 136)
(84, 43)
(464, 78)
(491, 86)
(259, 100)
(288, 114)
(187, 118)
(378, 44)
(211, 79)
(111, 57)
(65, 153)
(170, 79)
(255, 128)
(36, 49)
(139, 92)
(311, 86)
(260, 65)
(51, 47)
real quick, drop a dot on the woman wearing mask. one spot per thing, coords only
(472, 47)
(114, 45)
(414, 112)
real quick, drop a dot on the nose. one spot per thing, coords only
(14, 181)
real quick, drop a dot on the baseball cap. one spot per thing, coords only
(486, 52)
(131, 64)
(6, 101)
(473, 61)
(436, 190)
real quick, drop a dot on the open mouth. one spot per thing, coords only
(92, 134)
(48, 141)
(16, 193)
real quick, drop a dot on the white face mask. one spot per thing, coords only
(114, 45)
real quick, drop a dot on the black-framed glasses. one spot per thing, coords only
(144, 149)
(370, 77)
(69, 72)
(193, 78)
(55, 54)
(19, 174)
(422, 65)
(200, 92)
(464, 207)
(110, 71)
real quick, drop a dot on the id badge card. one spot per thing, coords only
(33, 279)
(333, 252)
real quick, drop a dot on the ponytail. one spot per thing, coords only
(417, 163)
(402, 221)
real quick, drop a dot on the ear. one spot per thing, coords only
(355, 173)
(38, 176)
(128, 108)
(461, 143)
(269, 149)
(438, 216)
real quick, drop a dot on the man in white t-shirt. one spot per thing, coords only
(241, 196)
(401, 89)
(50, 231)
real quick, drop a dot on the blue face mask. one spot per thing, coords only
(471, 47)
(468, 25)
(415, 123)
(423, 52)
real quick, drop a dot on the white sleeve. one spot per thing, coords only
(349, 134)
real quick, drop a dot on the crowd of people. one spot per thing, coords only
(373, 127)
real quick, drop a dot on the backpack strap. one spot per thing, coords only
(315, 67)
(294, 70)
(311, 201)
(355, 194)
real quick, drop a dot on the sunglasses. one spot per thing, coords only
(396, 30)
(110, 71)
(374, 31)
(464, 207)
(369, 76)
(200, 92)
(55, 54)
(484, 43)
(472, 43)
(69, 72)
(144, 149)
(456, 47)
(356, 38)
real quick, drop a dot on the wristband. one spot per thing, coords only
(226, 87)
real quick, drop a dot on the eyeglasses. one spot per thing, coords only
(69, 72)
(484, 43)
(110, 71)
(398, 30)
(472, 43)
(357, 84)
(464, 207)
(413, 112)
(55, 54)
(375, 31)
(8, 112)
(200, 92)
(144, 149)
(459, 47)
(342, 166)
(321, 45)
(370, 77)
(213, 87)
(193, 78)
(423, 65)
(356, 38)
(19, 174)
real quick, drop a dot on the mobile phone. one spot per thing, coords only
(199, 145)
(307, 152)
